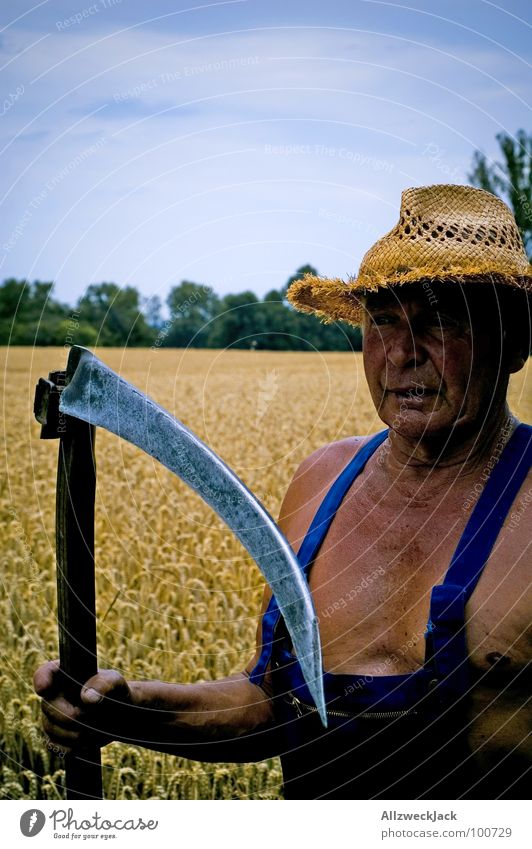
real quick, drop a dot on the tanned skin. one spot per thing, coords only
(438, 376)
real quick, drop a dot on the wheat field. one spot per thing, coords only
(177, 596)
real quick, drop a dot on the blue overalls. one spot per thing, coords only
(393, 736)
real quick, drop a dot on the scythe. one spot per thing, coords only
(69, 405)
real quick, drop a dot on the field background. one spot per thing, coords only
(177, 597)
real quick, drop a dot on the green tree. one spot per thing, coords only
(115, 314)
(240, 322)
(313, 333)
(29, 315)
(279, 323)
(192, 306)
(73, 331)
(151, 308)
(510, 179)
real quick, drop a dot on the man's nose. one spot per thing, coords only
(404, 350)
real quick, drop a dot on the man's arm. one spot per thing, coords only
(226, 720)
(230, 719)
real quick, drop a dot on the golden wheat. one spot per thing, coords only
(177, 597)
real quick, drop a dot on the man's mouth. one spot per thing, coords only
(413, 393)
(417, 390)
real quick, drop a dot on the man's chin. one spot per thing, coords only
(417, 423)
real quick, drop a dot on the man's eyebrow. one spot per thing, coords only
(377, 302)
(446, 302)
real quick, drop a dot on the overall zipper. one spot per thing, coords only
(302, 708)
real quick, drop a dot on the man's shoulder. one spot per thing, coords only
(331, 458)
(310, 483)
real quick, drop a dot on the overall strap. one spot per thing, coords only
(446, 632)
(490, 511)
(312, 542)
(330, 504)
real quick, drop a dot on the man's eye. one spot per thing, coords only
(382, 319)
(444, 321)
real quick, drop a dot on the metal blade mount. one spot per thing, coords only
(96, 394)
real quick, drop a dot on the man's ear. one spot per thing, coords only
(517, 364)
(517, 328)
(514, 354)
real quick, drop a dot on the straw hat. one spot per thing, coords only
(445, 233)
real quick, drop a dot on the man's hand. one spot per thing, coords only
(226, 720)
(95, 719)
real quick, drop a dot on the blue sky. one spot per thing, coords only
(230, 143)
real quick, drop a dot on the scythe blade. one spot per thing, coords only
(95, 394)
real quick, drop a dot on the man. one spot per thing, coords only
(418, 576)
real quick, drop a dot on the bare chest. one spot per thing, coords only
(373, 577)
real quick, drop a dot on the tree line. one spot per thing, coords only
(110, 315)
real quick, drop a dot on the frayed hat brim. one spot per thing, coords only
(335, 300)
(330, 300)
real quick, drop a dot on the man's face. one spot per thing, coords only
(432, 357)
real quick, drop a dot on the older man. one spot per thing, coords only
(417, 566)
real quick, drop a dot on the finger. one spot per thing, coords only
(59, 736)
(70, 741)
(46, 679)
(66, 725)
(106, 684)
(62, 712)
(72, 737)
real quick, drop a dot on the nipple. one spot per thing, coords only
(496, 658)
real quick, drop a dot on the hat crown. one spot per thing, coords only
(450, 198)
(444, 229)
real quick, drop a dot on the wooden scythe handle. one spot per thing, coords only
(76, 487)
(76, 604)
